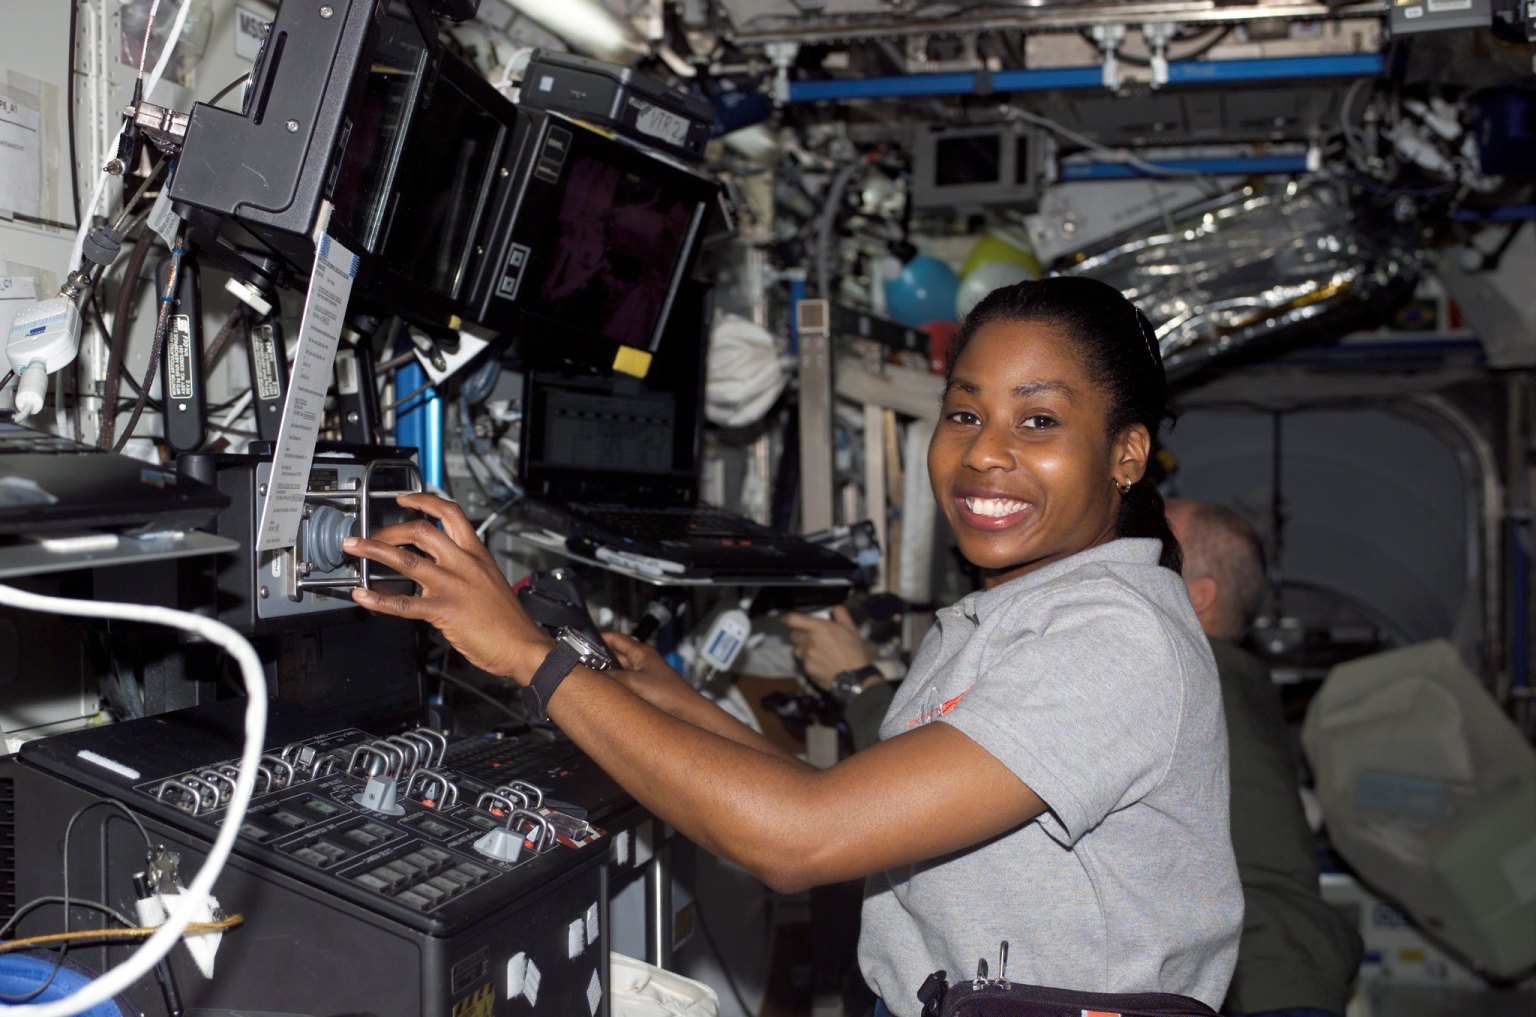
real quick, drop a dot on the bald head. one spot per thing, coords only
(1223, 565)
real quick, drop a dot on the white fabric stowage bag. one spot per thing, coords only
(1429, 792)
(644, 990)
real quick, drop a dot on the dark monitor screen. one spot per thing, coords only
(968, 159)
(427, 154)
(431, 236)
(598, 240)
(622, 237)
(367, 167)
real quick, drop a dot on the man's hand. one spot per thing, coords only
(463, 593)
(825, 647)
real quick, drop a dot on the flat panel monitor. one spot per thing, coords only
(599, 239)
(976, 167)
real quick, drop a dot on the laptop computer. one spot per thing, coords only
(50, 484)
(611, 462)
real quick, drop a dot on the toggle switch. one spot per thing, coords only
(501, 844)
(379, 795)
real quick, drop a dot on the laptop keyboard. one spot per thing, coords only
(671, 523)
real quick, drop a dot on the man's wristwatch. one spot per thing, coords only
(572, 647)
(848, 684)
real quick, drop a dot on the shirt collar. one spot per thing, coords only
(1123, 551)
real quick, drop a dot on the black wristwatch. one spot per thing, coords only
(848, 684)
(571, 648)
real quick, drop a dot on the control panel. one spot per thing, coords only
(382, 816)
(484, 860)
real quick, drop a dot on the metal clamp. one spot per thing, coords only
(266, 775)
(426, 748)
(489, 798)
(529, 793)
(196, 804)
(437, 738)
(199, 786)
(409, 749)
(536, 822)
(450, 793)
(396, 758)
(280, 766)
(215, 778)
(363, 752)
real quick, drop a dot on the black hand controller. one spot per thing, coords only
(554, 601)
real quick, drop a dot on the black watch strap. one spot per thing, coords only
(560, 662)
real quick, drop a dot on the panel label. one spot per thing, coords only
(264, 353)
(330, 286)
(179, 380)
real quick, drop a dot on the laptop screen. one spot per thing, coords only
(594, 431)
(609, 438)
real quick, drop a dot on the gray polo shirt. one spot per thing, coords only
(1091, 680)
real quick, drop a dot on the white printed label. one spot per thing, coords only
(264, 354)
(108, 764)
(163, 218)
(21, 157)
(346, 373)
(643, 844)
(179, 382)
(330, 286)
(517, 975)
(594, 994)
(659, 123)
(531, 983)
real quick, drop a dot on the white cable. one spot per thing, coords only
(60, 420)
(149, 28)
(238, 408)
(182, 907)
(88, 213)
(169, 48)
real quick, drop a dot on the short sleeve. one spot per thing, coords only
(1079, 694)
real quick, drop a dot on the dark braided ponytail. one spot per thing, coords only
(1119, 353)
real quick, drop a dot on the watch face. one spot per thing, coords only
(593, 654)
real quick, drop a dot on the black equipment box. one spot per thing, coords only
(348, 909)
(639, 107)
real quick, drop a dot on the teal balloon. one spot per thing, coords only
(924, 291)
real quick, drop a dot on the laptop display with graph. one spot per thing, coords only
(612, 463)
